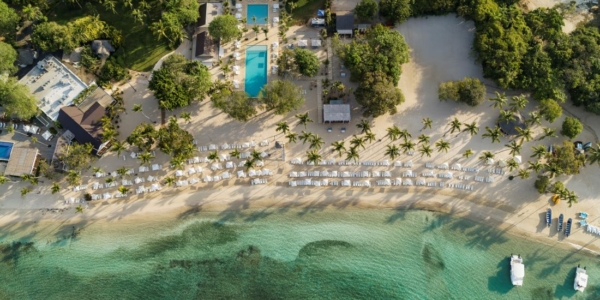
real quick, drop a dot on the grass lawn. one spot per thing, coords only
(306, 9)
(140, 50)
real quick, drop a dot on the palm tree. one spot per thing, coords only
(534, 118)
(535, 166)
(255, 155)
(29, 177)
(138, 108)
(186, 116)
(539, 151)
(512, 164)
(425, 150)
(594, 154)
(123, 190)
(442, 145)
(118, 146)
(517, 103)
(34, 140)
(122, 171)
(110, 180)
(572, 198)
(292, 137)
(73, 178)
(404, 134)
(10, 128)
(393, 132)
(305, 136)
(407, 146)
(3, 179)
(55, 188)
(304, 119)
(79, 209)
(145, 158)
(339, 147)
(506, 116)
(524, 134)
(352, 154)
(170, 180)
(427, 122)
(423, 139)
(25, 191)
(357, 141)
(213, 156)
(494, 134)
(392, 151)
(256, 30)
(283, 127)
(316, 142)
(515, 148)
(454, 126)
(499, 100)
(548, 132)
(553, 170)
(485, 156)
(471, 128)
(370, 136)
(313, 157)
(265, 30)
(468, 153)
(524, 173)
(249, 164)
(364, 125)
(235, 153)
(97, 170)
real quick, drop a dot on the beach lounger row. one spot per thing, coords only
(460, 186)
(126, 182)
(80, 188)
(376, 163)
(496, 171)
(385, 182)
(470, 169)
(328, 162)
(463, 177)
(258, 181)
(593, 229)
(455, 167)
(429, 165)
(443, 166)
(428, 174)
(361, 183)
(446, 175)
(73, 200)
(409, 173)
(484, 179)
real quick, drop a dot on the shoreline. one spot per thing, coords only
(279, 199)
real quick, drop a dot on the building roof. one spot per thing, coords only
(336, 113)
(26, 56)
(344, 21)
(53, 85)
(102, 48)
(207, 12)
(22, 161)
(510, 127)
(85, 125)
(201, 39)
(100, 96)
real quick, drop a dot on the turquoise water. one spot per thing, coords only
(256, 69)
(5, 149)
(284, 254)
(260, 11)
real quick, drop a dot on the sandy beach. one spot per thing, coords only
(440, 51)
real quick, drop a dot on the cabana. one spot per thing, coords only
(315, 43)
(302, 43)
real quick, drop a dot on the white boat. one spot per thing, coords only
(517, 270)
(581, 279)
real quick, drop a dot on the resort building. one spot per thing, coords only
(204, 48)
(344, 23)
(54, 86)
(83, 123)
(336, 112)
(22, 161)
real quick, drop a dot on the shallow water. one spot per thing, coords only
(371, 254)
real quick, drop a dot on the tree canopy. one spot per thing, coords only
(571, 127)
(307, 62)
(51, 36)
(395, 11)
(550, 110)
(378, 95)
(366, 9)
(8, 22)
(8, 56)
(224, 27)
(281, 96)
(235, 104)
(469, 90)
(17, 99)
(179, 82)
(77, 157)
(175, 141)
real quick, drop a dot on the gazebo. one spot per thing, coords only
(510, 127)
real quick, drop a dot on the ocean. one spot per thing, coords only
(285, 254)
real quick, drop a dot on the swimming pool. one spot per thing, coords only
(5, 150)
(260, 11)
(256, 69)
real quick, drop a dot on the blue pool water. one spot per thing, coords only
(260, 11)
(256, 69)
(5, 149)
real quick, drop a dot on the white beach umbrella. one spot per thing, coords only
(501, 163)
(518, 159)
(490, 161)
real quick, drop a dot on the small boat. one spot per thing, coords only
(517, 270)
(561, 219)
(549, 217)
(583, 222)
(587, 146)
(581, 279)
(568, 227)
(583, 215)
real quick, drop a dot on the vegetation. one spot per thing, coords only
(52, 36)
(143, 136)
(469, 90)
(366, 10)
(378, 95)
(550, 110)
(8, 56)
(395, 11)
(77, 157)
(307, 62)
(571, 127)
(564, 160)
(235, 104)
(175, 141)
(224, 27)
(179, 82)
(281, 96)
(16, 99)
(8, 22)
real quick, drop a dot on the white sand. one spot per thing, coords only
(440, 51)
